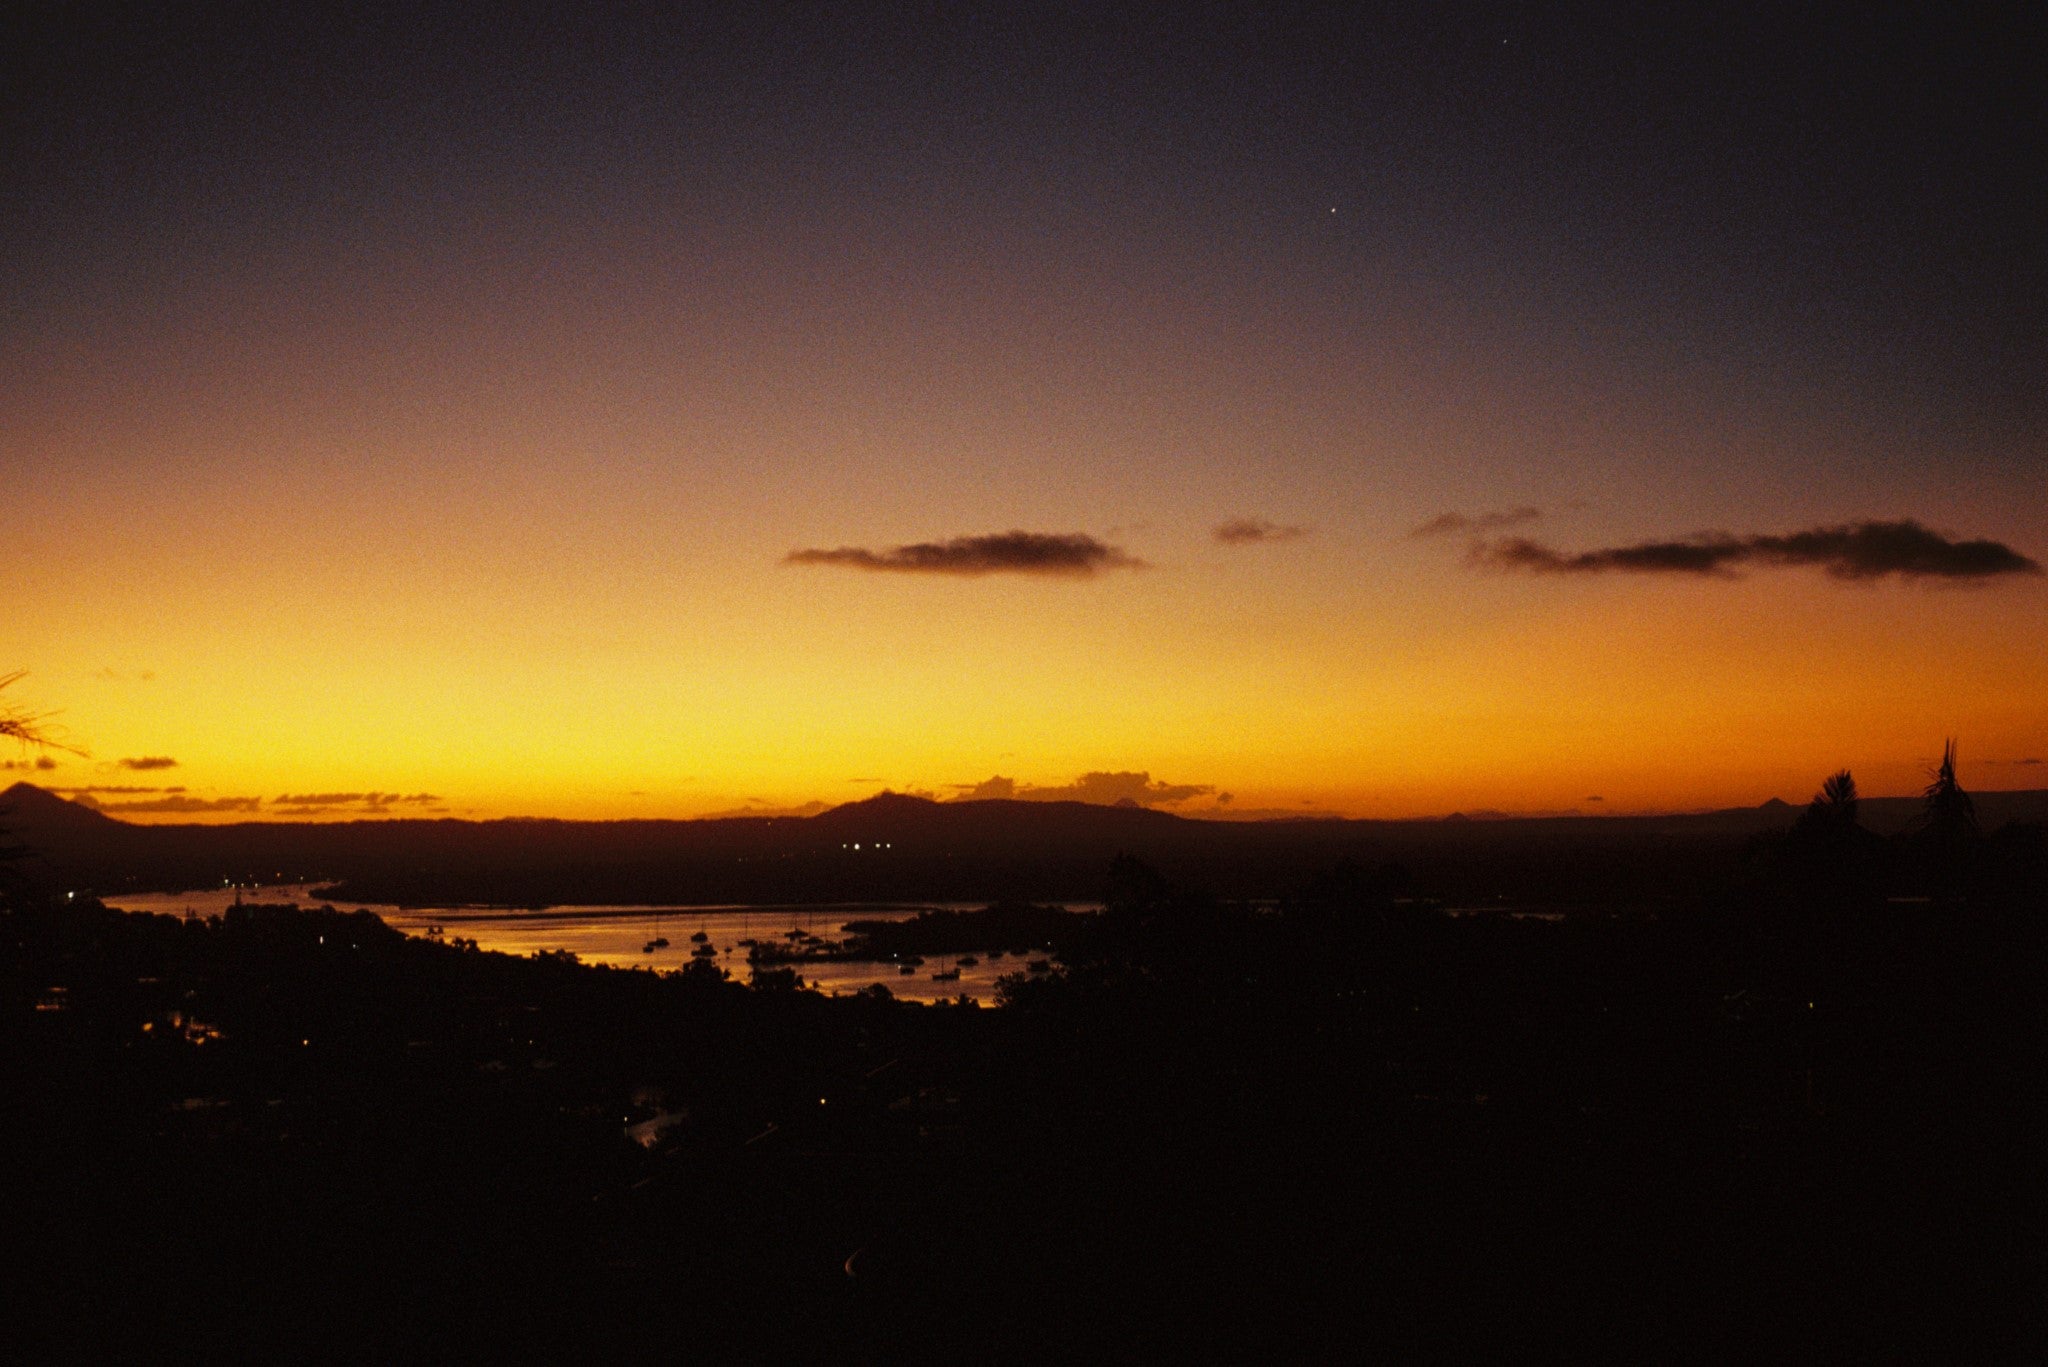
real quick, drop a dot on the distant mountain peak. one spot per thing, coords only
(884, 803)
(24, 805)
(884, 812)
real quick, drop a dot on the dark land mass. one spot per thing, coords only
(909, 849)
(1796, 1107)
(1006, 927)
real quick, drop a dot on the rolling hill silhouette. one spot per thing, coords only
(908, 848)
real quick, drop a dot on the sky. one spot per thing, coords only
(1240, 409)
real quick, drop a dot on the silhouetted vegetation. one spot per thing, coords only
(28, 730)
(1951, 814)
(1792, 1106)
(1008, 926)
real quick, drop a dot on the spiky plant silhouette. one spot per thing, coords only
(28, 729)
(1835, 803)
(1950, 815)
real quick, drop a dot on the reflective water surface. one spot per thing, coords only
(629, 936)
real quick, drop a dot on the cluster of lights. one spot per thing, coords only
(872, 844)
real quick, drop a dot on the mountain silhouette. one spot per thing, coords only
(898, 847)
(889, 816)
(25, 807)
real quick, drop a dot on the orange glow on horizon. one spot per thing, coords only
(784, 688)
(340, 528)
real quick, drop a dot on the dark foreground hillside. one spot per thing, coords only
(1808, 1120)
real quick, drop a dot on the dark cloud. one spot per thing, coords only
(41, 762)
(113, 675)
(116, 788)
(146, 762)
(1103, 789)
(348, 811)
(1444, 524)
(175, 805)
(1670, 557)
(1075, 556)
(303, 803)
(1251, 531)
(1856, 550)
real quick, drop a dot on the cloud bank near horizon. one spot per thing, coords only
(1102, 788)
(175, 804)
(372, 803)
(1857, 551)
(1043, 554)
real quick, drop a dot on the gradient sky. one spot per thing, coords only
(429, 405)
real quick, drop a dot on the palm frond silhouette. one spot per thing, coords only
(1950, 813)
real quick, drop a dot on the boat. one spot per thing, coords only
(946, 975)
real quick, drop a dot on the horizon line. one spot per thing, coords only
(1209, 815)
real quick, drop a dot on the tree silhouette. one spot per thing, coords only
(1827, 858)
(1834, 806)
(1950, 846)
(1950, 815)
